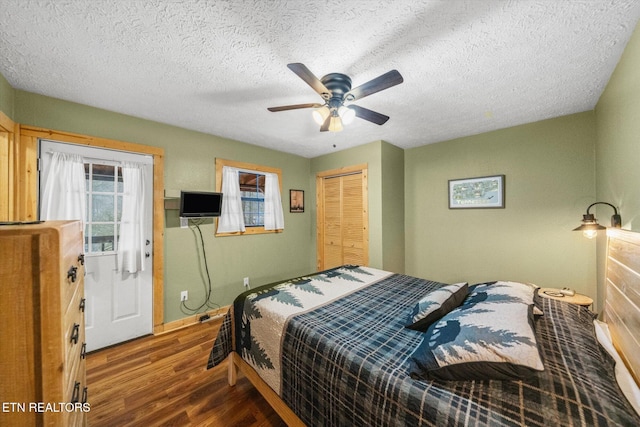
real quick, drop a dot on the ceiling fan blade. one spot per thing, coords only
(305, 74)
(293, 107)
(370, 115)
(325, 125)
(382, 82)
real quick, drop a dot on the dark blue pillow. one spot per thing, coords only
(436, 304)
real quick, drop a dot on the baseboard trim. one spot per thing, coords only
(185, 322)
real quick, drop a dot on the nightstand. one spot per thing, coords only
(554, 293)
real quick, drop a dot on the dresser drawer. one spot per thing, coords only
(78, 394)
(73, 315)
(73, 276)
(73, 306)
(75, 381)
(74, 369)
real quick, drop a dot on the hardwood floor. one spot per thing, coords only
(163, 380)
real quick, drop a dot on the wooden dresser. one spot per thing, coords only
(42, 366)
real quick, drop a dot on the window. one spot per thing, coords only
(252, 182)
(104, 207)
(252, 193)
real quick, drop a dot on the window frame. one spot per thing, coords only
(220, 163)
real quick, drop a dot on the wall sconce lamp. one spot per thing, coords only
(590, 224)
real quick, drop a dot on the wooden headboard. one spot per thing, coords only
(622, 301)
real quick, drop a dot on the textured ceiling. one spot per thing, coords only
(469, 66)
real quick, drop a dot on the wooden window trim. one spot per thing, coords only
(7, 165)
(220, 163)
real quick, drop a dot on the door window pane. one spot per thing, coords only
(103, 237)
(104, 206)
(103, 178)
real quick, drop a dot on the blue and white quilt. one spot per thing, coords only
(263, 313)
(266, 312)
(344, 359)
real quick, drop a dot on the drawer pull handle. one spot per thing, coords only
(76, 393)
(75, 333)
(85, 392)
(81, 259)
(72, 273)
(83, 351)
(83, 302)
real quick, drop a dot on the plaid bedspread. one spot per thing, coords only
(262, 313)
(345, 364)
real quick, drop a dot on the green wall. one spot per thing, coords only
(618, 142)
(190, 164)
(618, 147)
(393, 202)
(7, 97)
(549, 169)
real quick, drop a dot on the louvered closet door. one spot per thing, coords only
(352, 220)
(332, 222)
(342, 220)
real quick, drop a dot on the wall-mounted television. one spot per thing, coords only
(200, 204)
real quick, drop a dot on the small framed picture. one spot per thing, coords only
(296, 201)
(484, 192)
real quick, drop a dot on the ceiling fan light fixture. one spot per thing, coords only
(346, 114)
(335, 89)
(335, 125)
(320, 114)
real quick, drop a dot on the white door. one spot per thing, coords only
(119, 305)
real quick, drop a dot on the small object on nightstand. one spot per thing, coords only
(566, 294)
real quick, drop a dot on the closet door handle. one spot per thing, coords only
(75, 333)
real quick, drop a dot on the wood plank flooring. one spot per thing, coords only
(163, 380)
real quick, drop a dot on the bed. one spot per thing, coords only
(341, 347)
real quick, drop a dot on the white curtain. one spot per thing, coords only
(132, 224)
(273, 216)
(64, 195)
(231, 219)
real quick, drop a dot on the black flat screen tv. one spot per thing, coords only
(200, 204)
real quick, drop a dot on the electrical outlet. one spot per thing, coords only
(246, 282)
(184, 295)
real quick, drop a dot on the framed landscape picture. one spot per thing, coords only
(474, 193)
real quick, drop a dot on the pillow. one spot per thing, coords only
(436, 304)
(501, 292)
(490, 340)
(505, 291)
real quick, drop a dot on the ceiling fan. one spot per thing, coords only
(335, 89)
